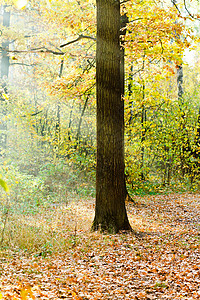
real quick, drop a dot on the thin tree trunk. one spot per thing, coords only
(4, 77)
(122, 80)
(180, 83)
(58, 125)
(143, 133)
(130, 92)
(197, 139)
(5, 46)
(81, 118)
(70, 122)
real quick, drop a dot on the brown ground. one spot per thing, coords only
(160, 261)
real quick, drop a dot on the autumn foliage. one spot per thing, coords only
(48, 153)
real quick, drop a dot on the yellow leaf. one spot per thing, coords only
(5, 96)
(4, 186)
(24, 294)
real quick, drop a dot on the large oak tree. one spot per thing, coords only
(110, 212)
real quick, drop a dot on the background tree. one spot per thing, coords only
(4, 79)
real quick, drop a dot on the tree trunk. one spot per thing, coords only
(143, 133)
(4, 78)
(58, 125)
(5, 46)
(197, 138)
(110, 211)
(180, 83)
(81, 118)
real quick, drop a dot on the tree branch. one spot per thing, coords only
(124, 1)
(176, 6)
(189, 13)
(32, 115)
(22, 64)
(80, 37)
(40, 50)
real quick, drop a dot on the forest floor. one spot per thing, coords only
(160, 261)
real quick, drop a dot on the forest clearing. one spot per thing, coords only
(159, 260)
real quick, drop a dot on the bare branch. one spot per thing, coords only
(88, 90)
(137, 19)
(124, 1)
(22, 64)
(46, 50)
(34, 50)
(176, 6)
(31, 115)
(80, 37)
(189, 13)
(161, 44)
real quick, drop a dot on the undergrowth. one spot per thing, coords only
(53, 228)
(43, 212)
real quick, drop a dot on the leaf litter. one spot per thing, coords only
(159, 260)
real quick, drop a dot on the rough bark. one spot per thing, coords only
(110, 211)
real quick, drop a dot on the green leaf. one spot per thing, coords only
(4, 185)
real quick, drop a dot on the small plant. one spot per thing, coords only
(161, 285)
